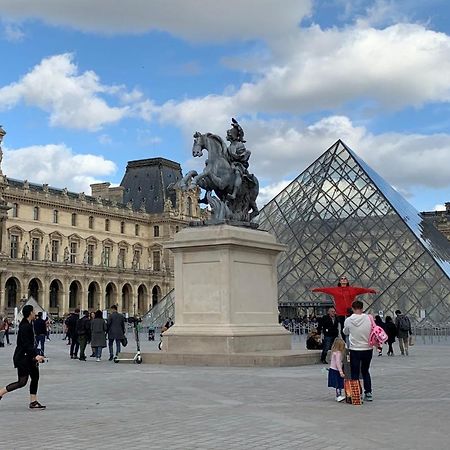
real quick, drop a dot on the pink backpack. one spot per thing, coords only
(377, 335)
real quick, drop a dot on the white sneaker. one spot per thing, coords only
(98, 360)
(340, 398)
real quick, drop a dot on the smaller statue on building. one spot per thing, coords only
(47, 253)
(85, 257)
(135, 262)
(168, 205)
(65, 192)
(82, 196)
(26, 251)
(66, 254)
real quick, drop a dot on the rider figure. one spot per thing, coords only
(238, 156)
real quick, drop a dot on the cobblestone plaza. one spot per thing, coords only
(115, 406)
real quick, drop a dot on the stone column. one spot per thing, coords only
(45, 302)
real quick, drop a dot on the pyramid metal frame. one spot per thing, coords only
(339, 216)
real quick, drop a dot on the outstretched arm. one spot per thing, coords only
(325, 290)
(361, 290)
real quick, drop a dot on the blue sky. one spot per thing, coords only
(87, 86)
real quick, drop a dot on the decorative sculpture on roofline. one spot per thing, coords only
(226, 174)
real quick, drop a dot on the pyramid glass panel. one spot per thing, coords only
(339, 216)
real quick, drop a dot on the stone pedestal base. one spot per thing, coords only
(225, 292)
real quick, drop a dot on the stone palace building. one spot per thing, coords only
(69, 250)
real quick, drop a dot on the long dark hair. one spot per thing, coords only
(339, 281)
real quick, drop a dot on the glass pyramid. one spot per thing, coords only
(340, 217)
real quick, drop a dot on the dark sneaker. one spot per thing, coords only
(36, 405)
(368, 397)
(111, 358)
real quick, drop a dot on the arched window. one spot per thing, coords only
(74, 220)
(55, 216)
(156, 231)
(91, 222)
(106, 224)
(36, 213)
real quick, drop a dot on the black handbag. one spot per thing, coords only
(124, 341)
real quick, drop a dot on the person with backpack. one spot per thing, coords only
(403, 325)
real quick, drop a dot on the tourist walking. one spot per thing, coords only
(71, 324)
(391, 331)
(40, 332)
(7, 326)
(2, 332)
(343, 295)
(403, 325)
(26, 360)
(358, 327)
(379, 321)
(336, 369)
(116, 331)
(92, 317)
(328, 325)
(98, 334)
(83, 333)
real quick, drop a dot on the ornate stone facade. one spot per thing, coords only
(70, 250)
(440, 219)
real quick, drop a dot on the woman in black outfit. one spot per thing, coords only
(391, 331)
(26, 359)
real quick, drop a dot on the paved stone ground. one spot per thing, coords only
(114, 406)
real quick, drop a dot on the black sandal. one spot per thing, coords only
(36, 405)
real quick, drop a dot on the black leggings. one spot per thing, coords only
(22, 376)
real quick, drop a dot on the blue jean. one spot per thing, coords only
(110, 345)
(360, 361)
(98, 352)
(327, 342)
(40, 342)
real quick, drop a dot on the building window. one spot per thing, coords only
(36, 213)
(136, 230)
(122, 227)
(177, 229)
(106, 224)
(73, 252)
(91, 222)
(107, 256)
(55, 216)
(14, 246)
(15, 210)
(189, 206)
(157, 261)
(74, 220)
(156, 231)
(90, 254)
(55, 250)
(35, 249)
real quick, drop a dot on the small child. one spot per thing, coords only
(336, 373)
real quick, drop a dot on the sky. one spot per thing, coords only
(87, 85)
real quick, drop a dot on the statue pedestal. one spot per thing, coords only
(225, 292)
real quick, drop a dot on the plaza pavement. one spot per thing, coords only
(116, 406)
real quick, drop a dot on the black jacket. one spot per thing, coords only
(84, 327)
(71, 323)
(328, 326)
(40, 327)
(25, 350)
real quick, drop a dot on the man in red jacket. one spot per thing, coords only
(343, 296)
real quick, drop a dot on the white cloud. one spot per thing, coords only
(57, 165)
(73, 100)
(190, 19)
(13, 32)
(270, 191)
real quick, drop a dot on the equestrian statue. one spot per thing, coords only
(225, 175)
